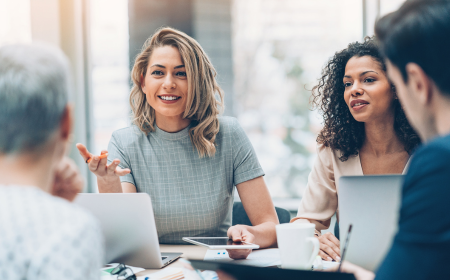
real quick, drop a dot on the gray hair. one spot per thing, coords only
(34, 92)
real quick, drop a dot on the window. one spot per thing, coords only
(15, 22)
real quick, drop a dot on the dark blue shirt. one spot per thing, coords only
(421, 248)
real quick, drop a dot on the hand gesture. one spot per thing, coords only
(239, 233)
(99, 166)
(68, 181)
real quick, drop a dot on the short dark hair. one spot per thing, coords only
(419, 32)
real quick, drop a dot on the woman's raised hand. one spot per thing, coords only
(99, 166)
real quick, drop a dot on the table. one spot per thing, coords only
(189, 252)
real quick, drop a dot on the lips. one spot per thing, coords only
(358, 104)
(168, 98)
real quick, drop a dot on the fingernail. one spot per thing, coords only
(338, 259)
(96, 158)
(329, 259)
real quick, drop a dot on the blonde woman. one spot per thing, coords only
(180, 152)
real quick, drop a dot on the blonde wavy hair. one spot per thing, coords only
(202, 106)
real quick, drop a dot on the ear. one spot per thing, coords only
(66, 124)
(419, 83)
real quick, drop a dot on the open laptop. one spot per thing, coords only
(129, 228)
(371, 204)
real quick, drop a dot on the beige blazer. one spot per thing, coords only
(320, 200)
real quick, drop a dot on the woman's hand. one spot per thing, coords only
(68, 181)
(99, 166)
(107, 175)
(239, 233)
(329, 247)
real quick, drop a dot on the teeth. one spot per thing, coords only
(357, 104)
(168, 97)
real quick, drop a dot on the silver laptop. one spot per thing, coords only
(129, 228)
(371, 204)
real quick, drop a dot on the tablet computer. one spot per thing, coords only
(239, 271)
(215, 243)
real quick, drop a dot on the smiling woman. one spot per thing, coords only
(182, 153)
(169, 78)
(365, 132)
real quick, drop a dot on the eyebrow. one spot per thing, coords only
(162, 66)
(362, 74)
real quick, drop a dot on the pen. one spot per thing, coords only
(100, 156)
(345, 246)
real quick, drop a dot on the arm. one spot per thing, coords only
(320, 202)
(247, 177)
(258, 205)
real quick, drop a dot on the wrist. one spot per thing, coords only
(109, 184)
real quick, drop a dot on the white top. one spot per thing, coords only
(46, 237)
(320, 199)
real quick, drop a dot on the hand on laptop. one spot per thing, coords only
(329, 247)
(239, 233)
(68, 181)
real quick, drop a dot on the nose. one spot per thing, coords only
(357, 90)
(169, 83)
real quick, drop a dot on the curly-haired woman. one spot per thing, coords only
(180, 152)
(365, 132)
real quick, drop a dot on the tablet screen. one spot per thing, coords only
(218, 241)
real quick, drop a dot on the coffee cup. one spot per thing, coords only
(297, 245)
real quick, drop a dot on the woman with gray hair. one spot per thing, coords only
(42, 236)
(182, 153)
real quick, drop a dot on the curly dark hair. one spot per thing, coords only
(341, 131)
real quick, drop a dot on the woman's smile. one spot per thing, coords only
(169, 99)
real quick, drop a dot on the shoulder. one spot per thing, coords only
(425, 194)
(229, 127)
(323, 151)
(434, 155)
(326, 155)
(74, 226)
(441, 144)
(228, 124)
(76, 238)
(429, 173)
(127, 135)
(72, 215)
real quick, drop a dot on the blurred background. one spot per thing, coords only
(268, 55)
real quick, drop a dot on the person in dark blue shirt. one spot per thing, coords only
(415, 41)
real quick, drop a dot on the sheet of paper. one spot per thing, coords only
(262, 257)
(328, 264)
(168, 273)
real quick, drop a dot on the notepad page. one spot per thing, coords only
(262, 257)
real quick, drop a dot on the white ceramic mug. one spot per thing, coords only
(297, 245)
